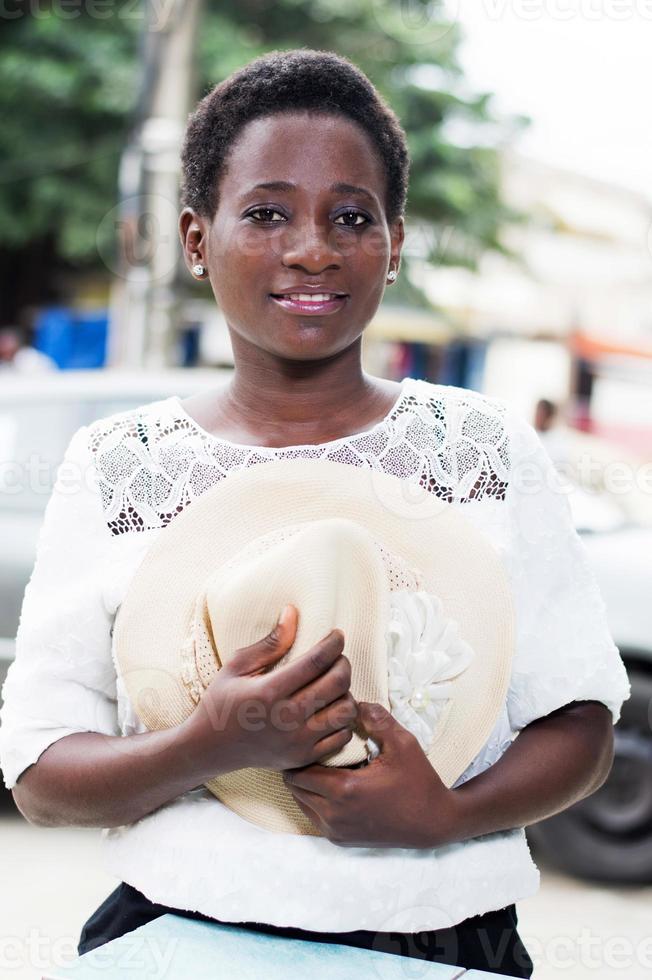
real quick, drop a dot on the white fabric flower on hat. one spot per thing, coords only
(425, 652)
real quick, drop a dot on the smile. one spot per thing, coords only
(310, 303)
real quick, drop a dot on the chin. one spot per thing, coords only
(310, 343)
(307, 353)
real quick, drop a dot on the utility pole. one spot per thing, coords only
(143, 303)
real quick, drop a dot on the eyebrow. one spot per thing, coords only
(284, 185)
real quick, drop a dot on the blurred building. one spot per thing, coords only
(574, 311)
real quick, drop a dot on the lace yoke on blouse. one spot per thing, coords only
(150, 465)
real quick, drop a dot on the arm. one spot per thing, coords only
(93, 780)
(399, 800)
(552, 764)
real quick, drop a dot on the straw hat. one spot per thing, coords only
(419, 592)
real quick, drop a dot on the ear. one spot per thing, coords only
(397, 237)
(193, 235)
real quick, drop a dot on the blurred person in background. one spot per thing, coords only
(17, 356)
(552, 432)
(545, 414)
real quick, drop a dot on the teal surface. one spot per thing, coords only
(175, 948)
(481, 975)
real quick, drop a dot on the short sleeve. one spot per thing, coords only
(62, 679)
(564, 649)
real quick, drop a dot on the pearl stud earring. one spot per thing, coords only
(198, 270)
(391, 275)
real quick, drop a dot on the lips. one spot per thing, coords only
(308, 297)
(313, 303)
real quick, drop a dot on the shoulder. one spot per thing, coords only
(142, 424)
(481, 441)
(462, 414)
(472, 414)
(135, 458)
(465, 436)
(454, 400)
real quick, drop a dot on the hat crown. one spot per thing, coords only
(336, 574)
(332, 538)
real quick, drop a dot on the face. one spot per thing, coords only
(9, 346)
(267, 241)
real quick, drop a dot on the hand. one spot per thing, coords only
(293, 716)
(397, 800)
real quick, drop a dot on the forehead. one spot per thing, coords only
(312, 149)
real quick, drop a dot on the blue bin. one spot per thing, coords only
(73, 339)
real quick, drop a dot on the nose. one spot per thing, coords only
(312, 246)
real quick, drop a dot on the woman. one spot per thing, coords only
(295, 180)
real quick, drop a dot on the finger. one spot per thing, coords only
(320, 658)
(332, 743)
(319, 781)
(341, 713)
(261, 655)
(308, 798)
(332, 687)
(312, 815)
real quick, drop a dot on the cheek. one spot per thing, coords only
(240, 245)
(374, 246)
(257, 249)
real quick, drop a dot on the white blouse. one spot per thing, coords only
(125, 477)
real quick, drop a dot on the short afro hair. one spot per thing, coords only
(285, 81)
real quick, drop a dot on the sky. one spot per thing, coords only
(582, 69)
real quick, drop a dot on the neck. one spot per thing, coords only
(306, 395)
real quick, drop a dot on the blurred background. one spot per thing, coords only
(526, 274)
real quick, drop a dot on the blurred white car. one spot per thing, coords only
(608, 837)
(38, 416)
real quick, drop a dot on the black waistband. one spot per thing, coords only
(484, 942)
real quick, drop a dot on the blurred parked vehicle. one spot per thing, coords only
(609, 835)
(38, 416)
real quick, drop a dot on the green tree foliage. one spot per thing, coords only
(69, 86)
(409, 53)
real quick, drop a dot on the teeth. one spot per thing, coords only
(310, 297)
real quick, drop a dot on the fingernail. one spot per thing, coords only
(285, 615)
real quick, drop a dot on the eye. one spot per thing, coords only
(354, 214)
(264, 221)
